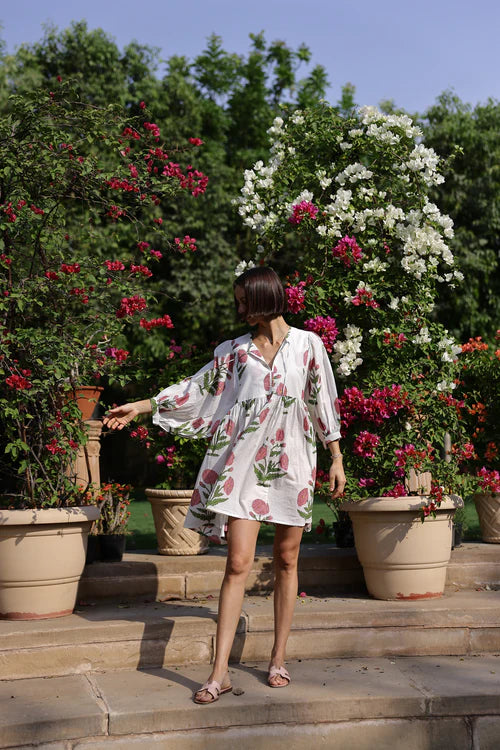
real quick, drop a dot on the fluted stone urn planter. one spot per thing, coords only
(42, 556)
(402, 557)
(488, 509)
(170, 508)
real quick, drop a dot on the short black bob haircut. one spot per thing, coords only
(264, 293)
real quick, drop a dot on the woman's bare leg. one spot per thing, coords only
(286, 555)
(241, 541)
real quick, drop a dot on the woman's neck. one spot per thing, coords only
(273, 330)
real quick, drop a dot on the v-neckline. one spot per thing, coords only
(261, 356)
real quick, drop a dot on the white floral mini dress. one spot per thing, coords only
(261, 422)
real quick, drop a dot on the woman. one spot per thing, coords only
(260, 402)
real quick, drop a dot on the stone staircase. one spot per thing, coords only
(120, 671)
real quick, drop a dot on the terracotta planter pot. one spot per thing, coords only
(170, 508)
(488, 509)
(42, 556)
(402, 557)
(87, 397)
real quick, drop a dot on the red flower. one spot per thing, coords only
(18, 383)
(180, 400)
(306, 424)
(196, 141)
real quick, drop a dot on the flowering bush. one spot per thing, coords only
(349, 198)
(479, 388)
(77, 184)
(113, 502)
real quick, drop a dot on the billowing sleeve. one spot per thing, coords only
(190, 408)
(321, 393)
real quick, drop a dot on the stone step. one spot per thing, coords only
(114, 636)
(416, 703)
(323, 568)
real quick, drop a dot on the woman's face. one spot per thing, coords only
(239, 295)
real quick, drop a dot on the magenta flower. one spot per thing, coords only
(325, 327)
(348, 250)
(302, 210)
(365, 444)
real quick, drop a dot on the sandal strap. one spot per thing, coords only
(212, 687)
(281, 671)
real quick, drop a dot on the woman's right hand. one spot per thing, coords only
(120, 416)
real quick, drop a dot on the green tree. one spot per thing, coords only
(468, 138)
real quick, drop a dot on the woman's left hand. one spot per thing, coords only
(337, 479)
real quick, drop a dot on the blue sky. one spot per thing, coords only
(407, 51)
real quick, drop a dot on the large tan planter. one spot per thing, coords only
(402, 557)
(42, 556)
(488, 510)
(170, 508)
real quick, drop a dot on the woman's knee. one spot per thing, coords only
(238, 564)
(286, 559)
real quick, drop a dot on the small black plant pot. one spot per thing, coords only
(112, 547)
(457, 536)
(343, 531)
(93, 549)
(105, 548)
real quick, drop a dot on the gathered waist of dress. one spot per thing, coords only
(248, 403)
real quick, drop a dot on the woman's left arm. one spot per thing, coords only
(337, 475)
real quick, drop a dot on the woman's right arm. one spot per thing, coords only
(120, 416)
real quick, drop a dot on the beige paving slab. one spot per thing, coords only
(456, 685)
(486, 731)
(383, 734)
(44, 710)
(160, 700)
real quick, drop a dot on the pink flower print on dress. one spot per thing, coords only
(313, 474)
(214, 427)
(261, 453)
(280, 434)
(281, 389)
(322, 424)
(305, 357)
(195, 498)
(263, 414)
(303, 497)
(306, 424)
(229, 427)
(210, 476)
(179, 400)
(284, 461)
(228, 485)
(220, 387)
(197, 423)
(230, 459)
(336, 405)
(260, 507)
(267, 382)
(242, 356)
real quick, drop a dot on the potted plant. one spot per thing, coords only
(170, 498)
(80, 189)
(107, 538)
(345, 197)
(479, 387)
